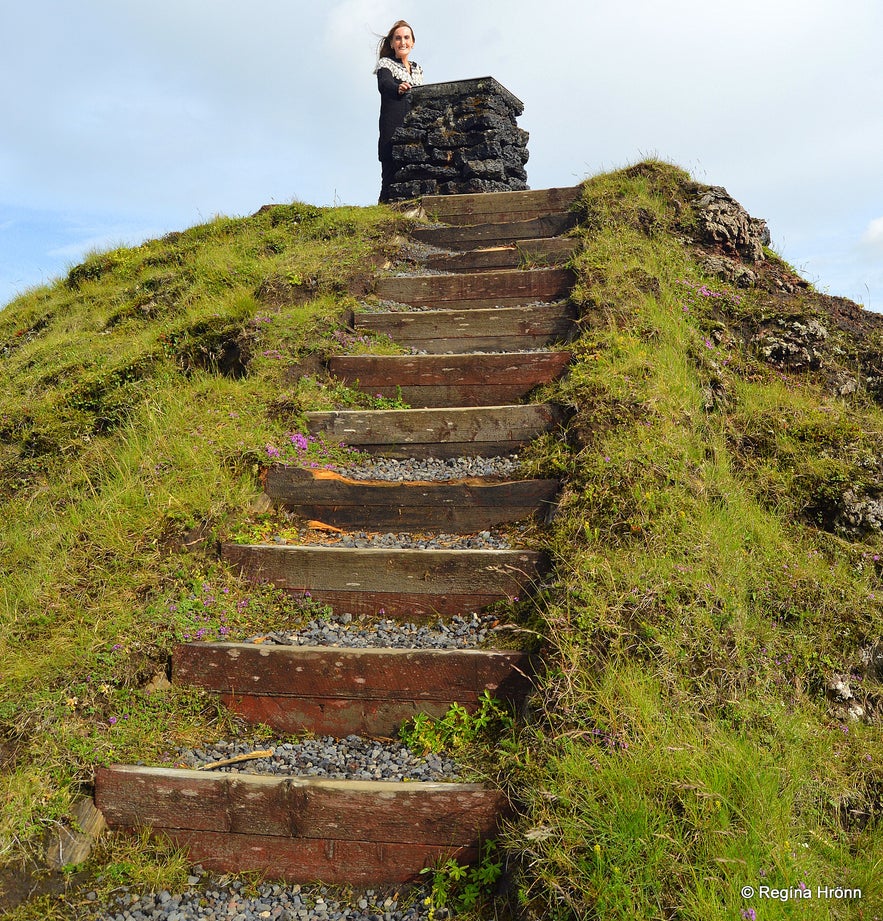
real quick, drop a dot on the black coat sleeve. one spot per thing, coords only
(387, 84)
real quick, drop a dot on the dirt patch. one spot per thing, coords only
(21, 882)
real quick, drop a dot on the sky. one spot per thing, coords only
(123, 120)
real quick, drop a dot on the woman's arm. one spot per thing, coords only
(387, 84)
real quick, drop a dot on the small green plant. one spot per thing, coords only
(331, 393)
(310, 451)
(458, 888)
(458, 728)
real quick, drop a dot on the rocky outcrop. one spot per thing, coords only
(723, 223)
(791, 342)
(460, 137)
(730, 270)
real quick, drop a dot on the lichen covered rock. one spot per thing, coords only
(723, 222)
(460, 137)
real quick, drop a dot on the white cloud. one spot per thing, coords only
(873, 235)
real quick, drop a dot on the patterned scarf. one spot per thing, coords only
(400, 72)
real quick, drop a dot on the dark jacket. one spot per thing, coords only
(393, 109)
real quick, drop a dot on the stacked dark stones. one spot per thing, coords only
(460, 137)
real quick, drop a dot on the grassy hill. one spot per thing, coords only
(709, 718)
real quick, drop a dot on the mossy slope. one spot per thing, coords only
(717, 551)
(714, 585)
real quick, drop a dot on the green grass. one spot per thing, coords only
(141, 394)
(685, 748)
(680, 745)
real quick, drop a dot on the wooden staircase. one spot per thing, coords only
(463, 404)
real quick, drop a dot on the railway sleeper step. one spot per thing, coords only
(502, 329)
(499, 207)
(483, 431)
(340, 691)
(417, 584)
(475, 236)
(340, 832)
(543, 252)
(452, 506)
(502, 288)
(450, 380)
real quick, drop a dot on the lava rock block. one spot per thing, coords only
(460, 137)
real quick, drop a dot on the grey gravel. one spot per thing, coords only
(460, 632)
(432, 469)
(483, 540)
(351, 758)
(212, 899)
(384, 305)
(539, 348)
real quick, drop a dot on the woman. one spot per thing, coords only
(396, 74)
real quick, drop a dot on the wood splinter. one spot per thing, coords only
(250, 756)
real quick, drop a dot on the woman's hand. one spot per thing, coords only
(403, 88)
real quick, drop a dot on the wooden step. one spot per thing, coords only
(450, 380)
(339, 692)
(551, 251)
(400, 583)
(499, 207)
(455, 507)
(495, 234)
(502, 329)
(506, 288)
(302, 830)
(486, 431)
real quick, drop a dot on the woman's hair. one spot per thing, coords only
(385, 48)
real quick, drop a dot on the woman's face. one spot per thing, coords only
(402, 42)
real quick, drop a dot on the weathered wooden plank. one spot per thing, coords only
(551, 251)
(295, 485)
(417, 584)
(321, 671)
(343, 691)
(530, 368)
(492, 234)
(479, 289)
(450, 380)
(440, 395)
(471, 431)
(331, 716)
(415, 607)
(335, 863)
(431, 572)
(473, 208)
(561, 332)
(504, 329)
(464, 506)
(297, 807)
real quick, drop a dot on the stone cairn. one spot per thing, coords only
(460, 137)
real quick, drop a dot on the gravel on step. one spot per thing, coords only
(508, 351)
(213, 899)
(344, 630)
(375, 540)
(351, 758)
(384, 305)
(432, 469)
